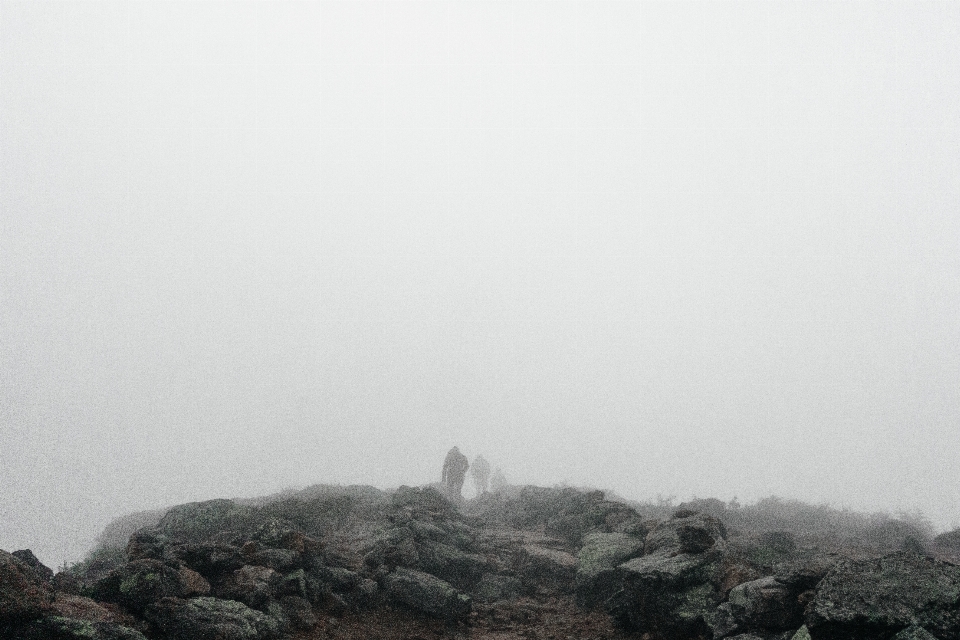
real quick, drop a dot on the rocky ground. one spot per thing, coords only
(531, 562)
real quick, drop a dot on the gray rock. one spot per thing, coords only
(280, 560)
(693, 534)
(876, 598)
(597, 578)
(492, 588)
(299, 612)
(914, 633)
(24, 596)
(211, 618)
(61, 628)
(766, 604)
(197, 521)
(669, 595)
(544, 568)
(210, 559)
(251, 585)
(138, 583)
(428, 594)
(449, 563)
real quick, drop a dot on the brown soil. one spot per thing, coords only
(551, 618)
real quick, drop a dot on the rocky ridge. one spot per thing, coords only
(531, 562)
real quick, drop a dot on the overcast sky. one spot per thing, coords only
(662, 248)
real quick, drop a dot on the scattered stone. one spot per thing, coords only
(61, 628)
(545, 568)
(428, 594)
(138, 583)
(879, 597)
(597, 578)
(211, 618)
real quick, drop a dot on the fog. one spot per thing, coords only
(667, 249)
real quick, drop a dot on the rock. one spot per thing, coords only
(427, 594)
(449, 563)
(277, 533)
(210, 559)
(914, 633)
(26, 556)
(876, 598)
(766, 604)
(147, 545)
(193, 583)
(596, 578)
(293, 584)
(299, 612)
(338, 579)
(802, 634)
(211, 618)
(550, 569)
(760, 635)
(60, 628)
(83, 608)
(138, 583)
(693, 533)
(280, 560)
(251, 585)
(24, 596)
(198, 521)
(670, 595)
(493, 588)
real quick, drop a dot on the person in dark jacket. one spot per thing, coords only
(454, 471)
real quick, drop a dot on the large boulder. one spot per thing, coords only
(213, 618)
(877, 598)
(686, 533)
(766, 604)
(446, 561)
(138, 583)
(667, 594)
(210, 559)
(198, 521)
(543, 568)
(251, 585)
(61, 628)
(596, 578)
(24, 595)
(427, 594)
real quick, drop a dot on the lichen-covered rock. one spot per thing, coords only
(211, 618)
(765, 605)
(666, 594)
(251, 585)
(61, 628)
(24, 596)
(877, 598)
(914, 632)
(493, 588)
(545, 568)
(427, 594)
(198, 521)
(138, 583)
(210, 559)
(597, 578)
(298, 611)
(445, 561)
(692, 534)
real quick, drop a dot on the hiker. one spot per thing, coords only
(480, 473)
(499, 481)
(454, 471)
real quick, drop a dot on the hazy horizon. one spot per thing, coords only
(660, 248)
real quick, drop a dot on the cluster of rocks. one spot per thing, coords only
(686, 579)
(232, 571)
